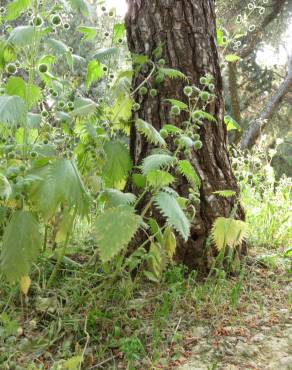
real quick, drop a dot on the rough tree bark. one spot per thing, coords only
(186, 30)
(234, 97)
(256, 127)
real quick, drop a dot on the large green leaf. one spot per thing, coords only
(5, 187)
(156, 162)
(231, 124)
(21, 245)
(118, 163)
(94, 72)
(83, 107)
(34, 120)
(115, 198)
(7, 54)
(60, 184)
(57, 46)
(122, 108)
(12, 110)
(15, 8)
(114, 230)
(88, 32)
(81, 6)
(174, 215)
(119, 30)
(30, 93)
(23, 35)
(228, 232)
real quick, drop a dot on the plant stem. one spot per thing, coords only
(62, 253)
(45, 238)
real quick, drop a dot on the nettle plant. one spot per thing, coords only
(64, 156)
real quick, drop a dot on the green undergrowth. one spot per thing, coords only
(101, 316)
(94, 318)
(266, 200)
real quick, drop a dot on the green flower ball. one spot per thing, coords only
(136, 107)
(56, 20)
(163, 133)
(204, 95)
(43, 68)
(143, 90)
(11, 68)
(198, 145)
(203, 80)
(188, 90)
(175, 110)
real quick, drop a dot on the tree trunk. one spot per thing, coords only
(186, 30)
(256, 127)
(234, 97)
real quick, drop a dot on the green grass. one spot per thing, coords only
(267, 202)
(127, 321)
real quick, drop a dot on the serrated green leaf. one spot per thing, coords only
(34, 120)
(159, 179)
(173, 73)
(231, 124)
(187, 170)
(139, 180)
(83, 107)
(21, 245)
(177, 103)
(156, 162)
(15, 8)
(12, 110)
(115, 198)
(81, 6)
(288, 253)
(57, 46)
(139, 59)
(114, 230)
(169, 242)
(4, 213)
(30, 93)
(105, 54)
(228, 232)
(5, 187)
(225, 193)
(88, 32)
(122, 109)
(205, 115)
(171, 129)
(24, 36)
(119, 31)
(117, 164)
(60, 184)
(174, 215)
(232, 58)
(7, 54)
(151, 134)
(220, 37)
(156, 263)
(94, 72)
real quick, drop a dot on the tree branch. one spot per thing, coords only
(255, 37)
(256, 127)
